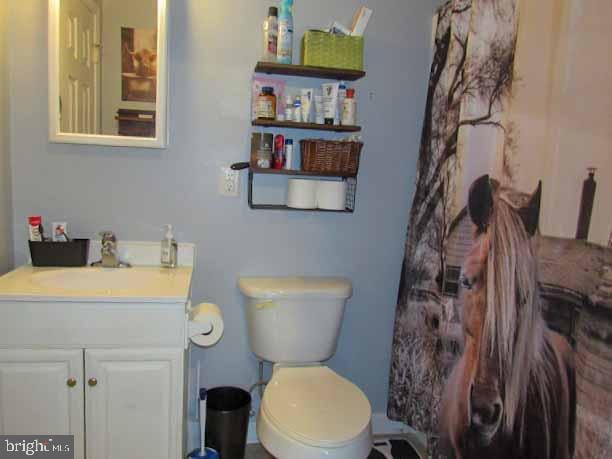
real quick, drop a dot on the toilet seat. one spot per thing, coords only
(316, 407)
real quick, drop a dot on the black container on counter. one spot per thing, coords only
(64, 254)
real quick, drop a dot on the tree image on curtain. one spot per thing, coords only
(496, 352)
(427, 337)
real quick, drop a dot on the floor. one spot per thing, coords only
(256, 451)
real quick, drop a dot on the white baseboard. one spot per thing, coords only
(381, 425)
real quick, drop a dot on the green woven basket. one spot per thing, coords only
(323, 49)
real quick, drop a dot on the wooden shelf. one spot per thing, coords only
(311, 126)
(309, 71)
(257, 170)
(283, 207)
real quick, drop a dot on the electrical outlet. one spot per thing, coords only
(229, 182)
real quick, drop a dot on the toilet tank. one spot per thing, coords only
(294, 319)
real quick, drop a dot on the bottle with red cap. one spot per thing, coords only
(349, 109)
(279, 152)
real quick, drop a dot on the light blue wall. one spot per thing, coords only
(213, 48)
(6, 241)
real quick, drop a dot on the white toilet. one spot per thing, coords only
(308, 411)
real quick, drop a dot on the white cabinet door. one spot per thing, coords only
(41, 392)
(134, 403)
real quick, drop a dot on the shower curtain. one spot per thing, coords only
(496, 89)
(470, 82)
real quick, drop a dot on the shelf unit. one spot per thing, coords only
(350, 193)
(273, 68)
(309, 126)
(309, 72)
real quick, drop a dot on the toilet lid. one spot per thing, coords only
(316, 406)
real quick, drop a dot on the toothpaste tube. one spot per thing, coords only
(35, 228)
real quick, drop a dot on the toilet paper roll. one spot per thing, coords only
(205, 326)
(331, 195)
(302, 194)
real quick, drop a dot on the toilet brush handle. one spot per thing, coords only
(203, 422)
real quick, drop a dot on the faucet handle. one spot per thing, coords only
(107, 236)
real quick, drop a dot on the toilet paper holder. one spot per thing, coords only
(351, 181)
(204, 325)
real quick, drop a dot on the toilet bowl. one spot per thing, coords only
(307, 411)
(311, 412)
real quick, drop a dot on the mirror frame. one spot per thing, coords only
(161, 127)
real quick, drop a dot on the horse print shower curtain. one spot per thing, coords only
(472, 245)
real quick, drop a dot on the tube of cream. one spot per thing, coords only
(319, 115)
(307, 94)
(330, 101)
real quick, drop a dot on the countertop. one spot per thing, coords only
(138, 284)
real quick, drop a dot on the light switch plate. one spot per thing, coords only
(229, 182)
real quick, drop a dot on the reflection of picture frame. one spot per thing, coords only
(138, 64)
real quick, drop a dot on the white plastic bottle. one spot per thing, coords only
(169, 249)
(349, 109)
(270, 35)
(284, 49)
(288, 154)
(341, 97)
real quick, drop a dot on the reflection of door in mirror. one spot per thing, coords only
(79, 78)
(108, 72)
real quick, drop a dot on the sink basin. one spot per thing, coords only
(92, 279)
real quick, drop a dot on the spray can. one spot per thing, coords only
(284, 49)
(270, 35)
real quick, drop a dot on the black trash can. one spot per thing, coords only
(227, 421)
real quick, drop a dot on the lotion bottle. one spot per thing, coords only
(169, 249)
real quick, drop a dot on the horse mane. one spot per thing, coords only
(514, 330)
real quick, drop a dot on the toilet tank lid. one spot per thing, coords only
(295, 287)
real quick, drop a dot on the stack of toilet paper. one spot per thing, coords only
(316, 194)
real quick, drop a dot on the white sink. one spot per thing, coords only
(82, 279)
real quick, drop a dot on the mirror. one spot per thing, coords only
(108, 72)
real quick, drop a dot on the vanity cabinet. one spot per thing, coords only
(132, 403)
(99, 354)
(126, 400)
(41, 392)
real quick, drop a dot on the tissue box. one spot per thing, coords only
(322, 49)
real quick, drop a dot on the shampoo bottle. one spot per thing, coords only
(284, 47)
(169, 249)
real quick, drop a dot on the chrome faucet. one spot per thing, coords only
(110, 258)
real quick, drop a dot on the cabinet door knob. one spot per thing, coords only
(71, 382)
(92, 382)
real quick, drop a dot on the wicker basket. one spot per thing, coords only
(328, 156)
(323, 49)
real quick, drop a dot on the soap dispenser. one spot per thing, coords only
(169, 249)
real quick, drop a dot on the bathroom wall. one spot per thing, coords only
(6, 244)
(213, 48)
(116, 14)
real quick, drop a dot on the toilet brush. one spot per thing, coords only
(208, 453)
